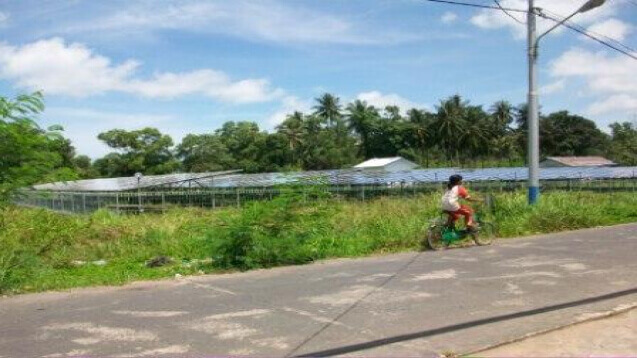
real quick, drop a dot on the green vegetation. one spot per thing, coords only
(29, 153)
(332, 136)
(42, 250)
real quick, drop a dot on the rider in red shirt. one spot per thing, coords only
(451, 205)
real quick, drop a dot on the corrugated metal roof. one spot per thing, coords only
(360, 177)
(231, 179)
(129, 183)
(582, 161)
(377, 162)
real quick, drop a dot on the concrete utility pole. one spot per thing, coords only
(533, 131)
(533, 126)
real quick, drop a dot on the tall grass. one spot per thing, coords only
(42, 250)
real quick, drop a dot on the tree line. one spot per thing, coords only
(333, 135)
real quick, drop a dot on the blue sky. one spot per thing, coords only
(188, 66)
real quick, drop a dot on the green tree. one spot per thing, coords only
(328, 108)
(563, 133)
(421, 134)
(450, 125)
(294, 131)
(146, 150)
(245, 142)
(84, 167)
(623, 145)
(204, 153)
(28, 153)
(477, 133)
(363, 121)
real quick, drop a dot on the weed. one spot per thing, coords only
(40, 249)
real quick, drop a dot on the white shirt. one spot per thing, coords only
(450, 199)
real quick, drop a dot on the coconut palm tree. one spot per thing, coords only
(328, 108)
(393, 113)
(293, 129)
(420, 122)
(361, 120)
(502, 117)
(450, 125)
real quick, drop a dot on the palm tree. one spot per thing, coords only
(361, 120)
(450, 125)
(328, 108)
(294, 130)
(502, 115)
(420, 122)
(475, 139)
(393, 113)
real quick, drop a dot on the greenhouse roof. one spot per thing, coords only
(230, 179)
(131, 183)
(360, 177)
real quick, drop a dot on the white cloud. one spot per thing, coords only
(613, 28)
(448, 17)
(252, 20)
(380, 100)
(75, 70)
(114, 119)
(620, 102)
(4, 18)
(553, 87)
(489, 19)
(288, 106)
(610, 79)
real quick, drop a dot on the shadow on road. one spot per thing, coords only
(460, 326)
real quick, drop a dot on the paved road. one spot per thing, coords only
(411, 304)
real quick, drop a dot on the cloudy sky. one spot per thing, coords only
(187, 66)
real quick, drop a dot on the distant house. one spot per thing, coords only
(552, 162)
(393, 164)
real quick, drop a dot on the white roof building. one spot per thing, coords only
(393, 164)
(577, 162)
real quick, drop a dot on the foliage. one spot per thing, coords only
(272, 233)
(28, 153)
(206, 152)
(624, 143)
(567, 134)
(146, 150)
(42, 250)
(334, 135)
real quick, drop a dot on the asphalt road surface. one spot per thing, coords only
(410, 304)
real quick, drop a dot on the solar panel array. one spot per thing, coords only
(230, 179)
(129, 183)
(367, 177)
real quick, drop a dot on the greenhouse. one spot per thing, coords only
(233, 188)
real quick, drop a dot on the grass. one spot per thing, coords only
(42, 250)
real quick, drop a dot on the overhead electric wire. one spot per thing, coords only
(552, 18)
(476, 5)
(585, 33)
(608, 38)
(508, 14)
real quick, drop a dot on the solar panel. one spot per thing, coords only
(366, 177)
(128, 183)
(231, 179)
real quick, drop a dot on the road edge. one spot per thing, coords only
(598, 316)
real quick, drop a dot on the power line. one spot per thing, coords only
(508, 14)
(608, 38)
(633, 2)
(546, 16)
(583, 32)
(476, 5)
